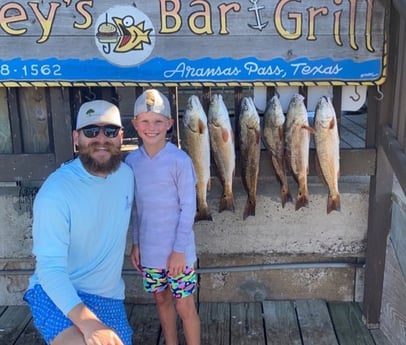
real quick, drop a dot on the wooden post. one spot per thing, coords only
(5, 129)
(379, 218)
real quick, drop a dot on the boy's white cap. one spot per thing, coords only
(152, 100)
(98, 111)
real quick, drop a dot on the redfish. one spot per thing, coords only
(223, 149)
(274, 140)
(250, 149)
(197, 144)
(327, 143)
(297, 141)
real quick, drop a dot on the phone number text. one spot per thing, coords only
(30, 71)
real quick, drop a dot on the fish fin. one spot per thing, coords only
(267, 146)
(203, 215)
(302, 200)
(319, 171)
(226, 203)
(332, 123)
(309, 129)
(225, 134)
(249, 208)
(201, 126)
(333, 203)
(285, 196)
(280, 133)
(258, 136)
(208, 186)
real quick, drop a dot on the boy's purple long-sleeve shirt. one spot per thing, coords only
(165, 205)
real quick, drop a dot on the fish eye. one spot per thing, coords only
(128, 21)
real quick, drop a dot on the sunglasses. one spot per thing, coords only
(92, 131)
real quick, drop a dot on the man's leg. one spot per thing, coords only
(70, 336)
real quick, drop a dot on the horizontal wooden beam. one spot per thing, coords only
(26, 167)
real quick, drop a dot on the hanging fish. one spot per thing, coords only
(274, 141)
(250, 138)
(223, 150)
(297, 141)
(327, 143)
(197, 144)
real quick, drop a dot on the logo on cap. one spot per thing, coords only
(90, 112)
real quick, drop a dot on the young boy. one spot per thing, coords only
(165, 205)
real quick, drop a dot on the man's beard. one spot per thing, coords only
(97, 167)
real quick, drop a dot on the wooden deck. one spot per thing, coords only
(353, 130)
(307, 322)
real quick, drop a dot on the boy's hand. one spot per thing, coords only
(135, 257)
(176, 264)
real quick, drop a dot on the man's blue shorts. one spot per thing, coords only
(50, 321)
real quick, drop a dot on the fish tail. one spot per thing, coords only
(227, 203)
(249, 208)
(333, 203)
(203, 214)
(302, 200)
(285, 196)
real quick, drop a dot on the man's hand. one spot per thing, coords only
(94, 331)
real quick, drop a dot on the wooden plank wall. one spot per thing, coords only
(37, 125)
(393, 311)
(5, 129)
(390, 162)
(34, 120)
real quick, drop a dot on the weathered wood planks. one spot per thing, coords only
(5, 129)
(393, 310)
(301, 322)
(281, 324)
(30, 336)
(12, 323)
(145, 323)
(246, 326)
(315, 323)
(348, 324)
(215, 323)
(34, 120)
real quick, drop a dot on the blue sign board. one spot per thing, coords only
(196, 42)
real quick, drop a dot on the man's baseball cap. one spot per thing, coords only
(98, 111)
(152, 100)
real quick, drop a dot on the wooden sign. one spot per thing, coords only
(197, 42)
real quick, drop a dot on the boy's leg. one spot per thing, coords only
(190, 319)
(167, 316)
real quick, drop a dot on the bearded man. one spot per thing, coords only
(80, 223)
